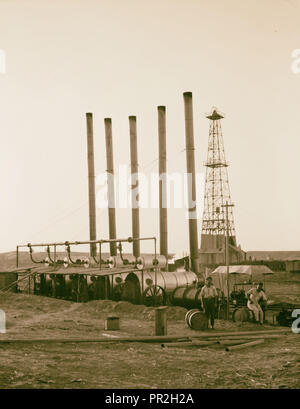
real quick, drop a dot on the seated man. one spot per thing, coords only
(256, 296)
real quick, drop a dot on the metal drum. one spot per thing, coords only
(187, 315)
(197, 320)
(242, 315)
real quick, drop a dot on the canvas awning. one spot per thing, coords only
(238, 274)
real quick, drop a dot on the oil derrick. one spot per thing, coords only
(217, 194)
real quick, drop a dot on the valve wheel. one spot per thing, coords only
(154, 295)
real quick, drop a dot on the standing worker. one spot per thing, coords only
(208, 297)
(256, 299)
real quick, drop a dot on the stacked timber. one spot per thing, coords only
(232, 341)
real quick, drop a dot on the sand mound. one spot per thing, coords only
(124, 308)
(173, 313)
(29, 303)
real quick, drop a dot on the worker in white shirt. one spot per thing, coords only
(256, 296)
(208, 297)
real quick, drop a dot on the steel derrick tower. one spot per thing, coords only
(217, 192)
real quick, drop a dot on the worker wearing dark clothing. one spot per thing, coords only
(208, 297)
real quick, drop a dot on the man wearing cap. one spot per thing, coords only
(256, 298)
(208, 297)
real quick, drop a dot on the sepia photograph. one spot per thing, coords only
(150, 225)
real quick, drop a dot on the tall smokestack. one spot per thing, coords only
(91, 172)
(134, 186)
(162, 149)
(190, 166)
(110, 185)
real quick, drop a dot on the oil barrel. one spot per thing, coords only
(242, 315)
(197, 320)
(188, 314)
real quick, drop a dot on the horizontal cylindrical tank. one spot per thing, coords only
(117, 261)
(138, 282)
(150, 261)
(177, 296)
(186, 297)
(165, 279)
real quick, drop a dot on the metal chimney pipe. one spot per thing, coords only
(162, 149)
(190, 166)
(134, 186)
(110, 185)
(91, 178)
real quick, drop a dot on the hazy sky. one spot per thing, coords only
(120, 58)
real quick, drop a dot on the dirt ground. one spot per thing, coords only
(274, 364)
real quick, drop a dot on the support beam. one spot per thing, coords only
(110, 186)
(91, 178)
(162, 146)
(190, 165)
(134, 186)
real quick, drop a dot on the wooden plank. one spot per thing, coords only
(188, 344)
(266, 336)
(232, 341)
(246, 345)
(214, 334)
(150, 339)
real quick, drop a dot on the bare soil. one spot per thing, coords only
(274, 364)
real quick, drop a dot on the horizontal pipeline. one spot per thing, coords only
(74, 243)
